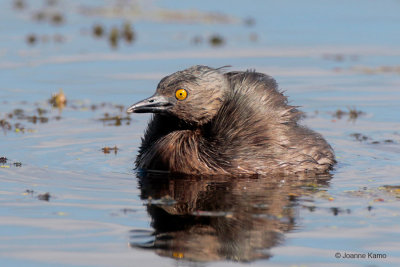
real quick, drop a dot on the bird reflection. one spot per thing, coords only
(219, 218)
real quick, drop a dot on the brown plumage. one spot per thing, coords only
(228, 123)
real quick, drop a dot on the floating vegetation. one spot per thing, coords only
(28, 192)
(107, 149)
(128, 33)
(17, 164)
(383, 193)
(58, 100)
(31, 39)
(393, 190)
(44, 197)
(55, 18)
(352, 114)
(98, 30)
(115, 120)
(19, 4)
(4, 165)
(36, 119)
(113, 37)
(387, 141)
(5, 125)
(11, 121)
(115, 34)
(216, 40)
(8, 123)
(362, 138)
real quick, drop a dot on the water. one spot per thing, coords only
(327, 56)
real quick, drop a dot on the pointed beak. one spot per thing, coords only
(153, 104)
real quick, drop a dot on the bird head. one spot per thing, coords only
(194, 95)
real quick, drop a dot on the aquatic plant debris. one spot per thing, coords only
(352, 114)
(44, 197)
(363, 138)
(98, 30)
(115, 120)
(58, 100)
(107, 149)
(125, 32)
(216, 40)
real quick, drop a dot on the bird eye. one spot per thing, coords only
(180, 94)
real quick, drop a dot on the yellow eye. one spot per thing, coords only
(181, 94)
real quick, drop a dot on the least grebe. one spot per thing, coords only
(208, 121)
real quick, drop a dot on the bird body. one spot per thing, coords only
(208, 121)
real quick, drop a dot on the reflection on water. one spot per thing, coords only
(220, 218)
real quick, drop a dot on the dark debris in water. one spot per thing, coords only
(352, 114)
(115, 34)
(44, 197)
(7, 124)
(116, 120)
(360, 137)
(98, 30)
(216, 40)
(363, 138)
(29, 192)
(32, 39)
(49, 13)
(57, 18)
(52, 17)
(107, 149)
(4, 163)
(128, 33)
(20, 4)
(17, 164)
(14, 121)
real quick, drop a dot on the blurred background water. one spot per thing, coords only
(68, 192)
